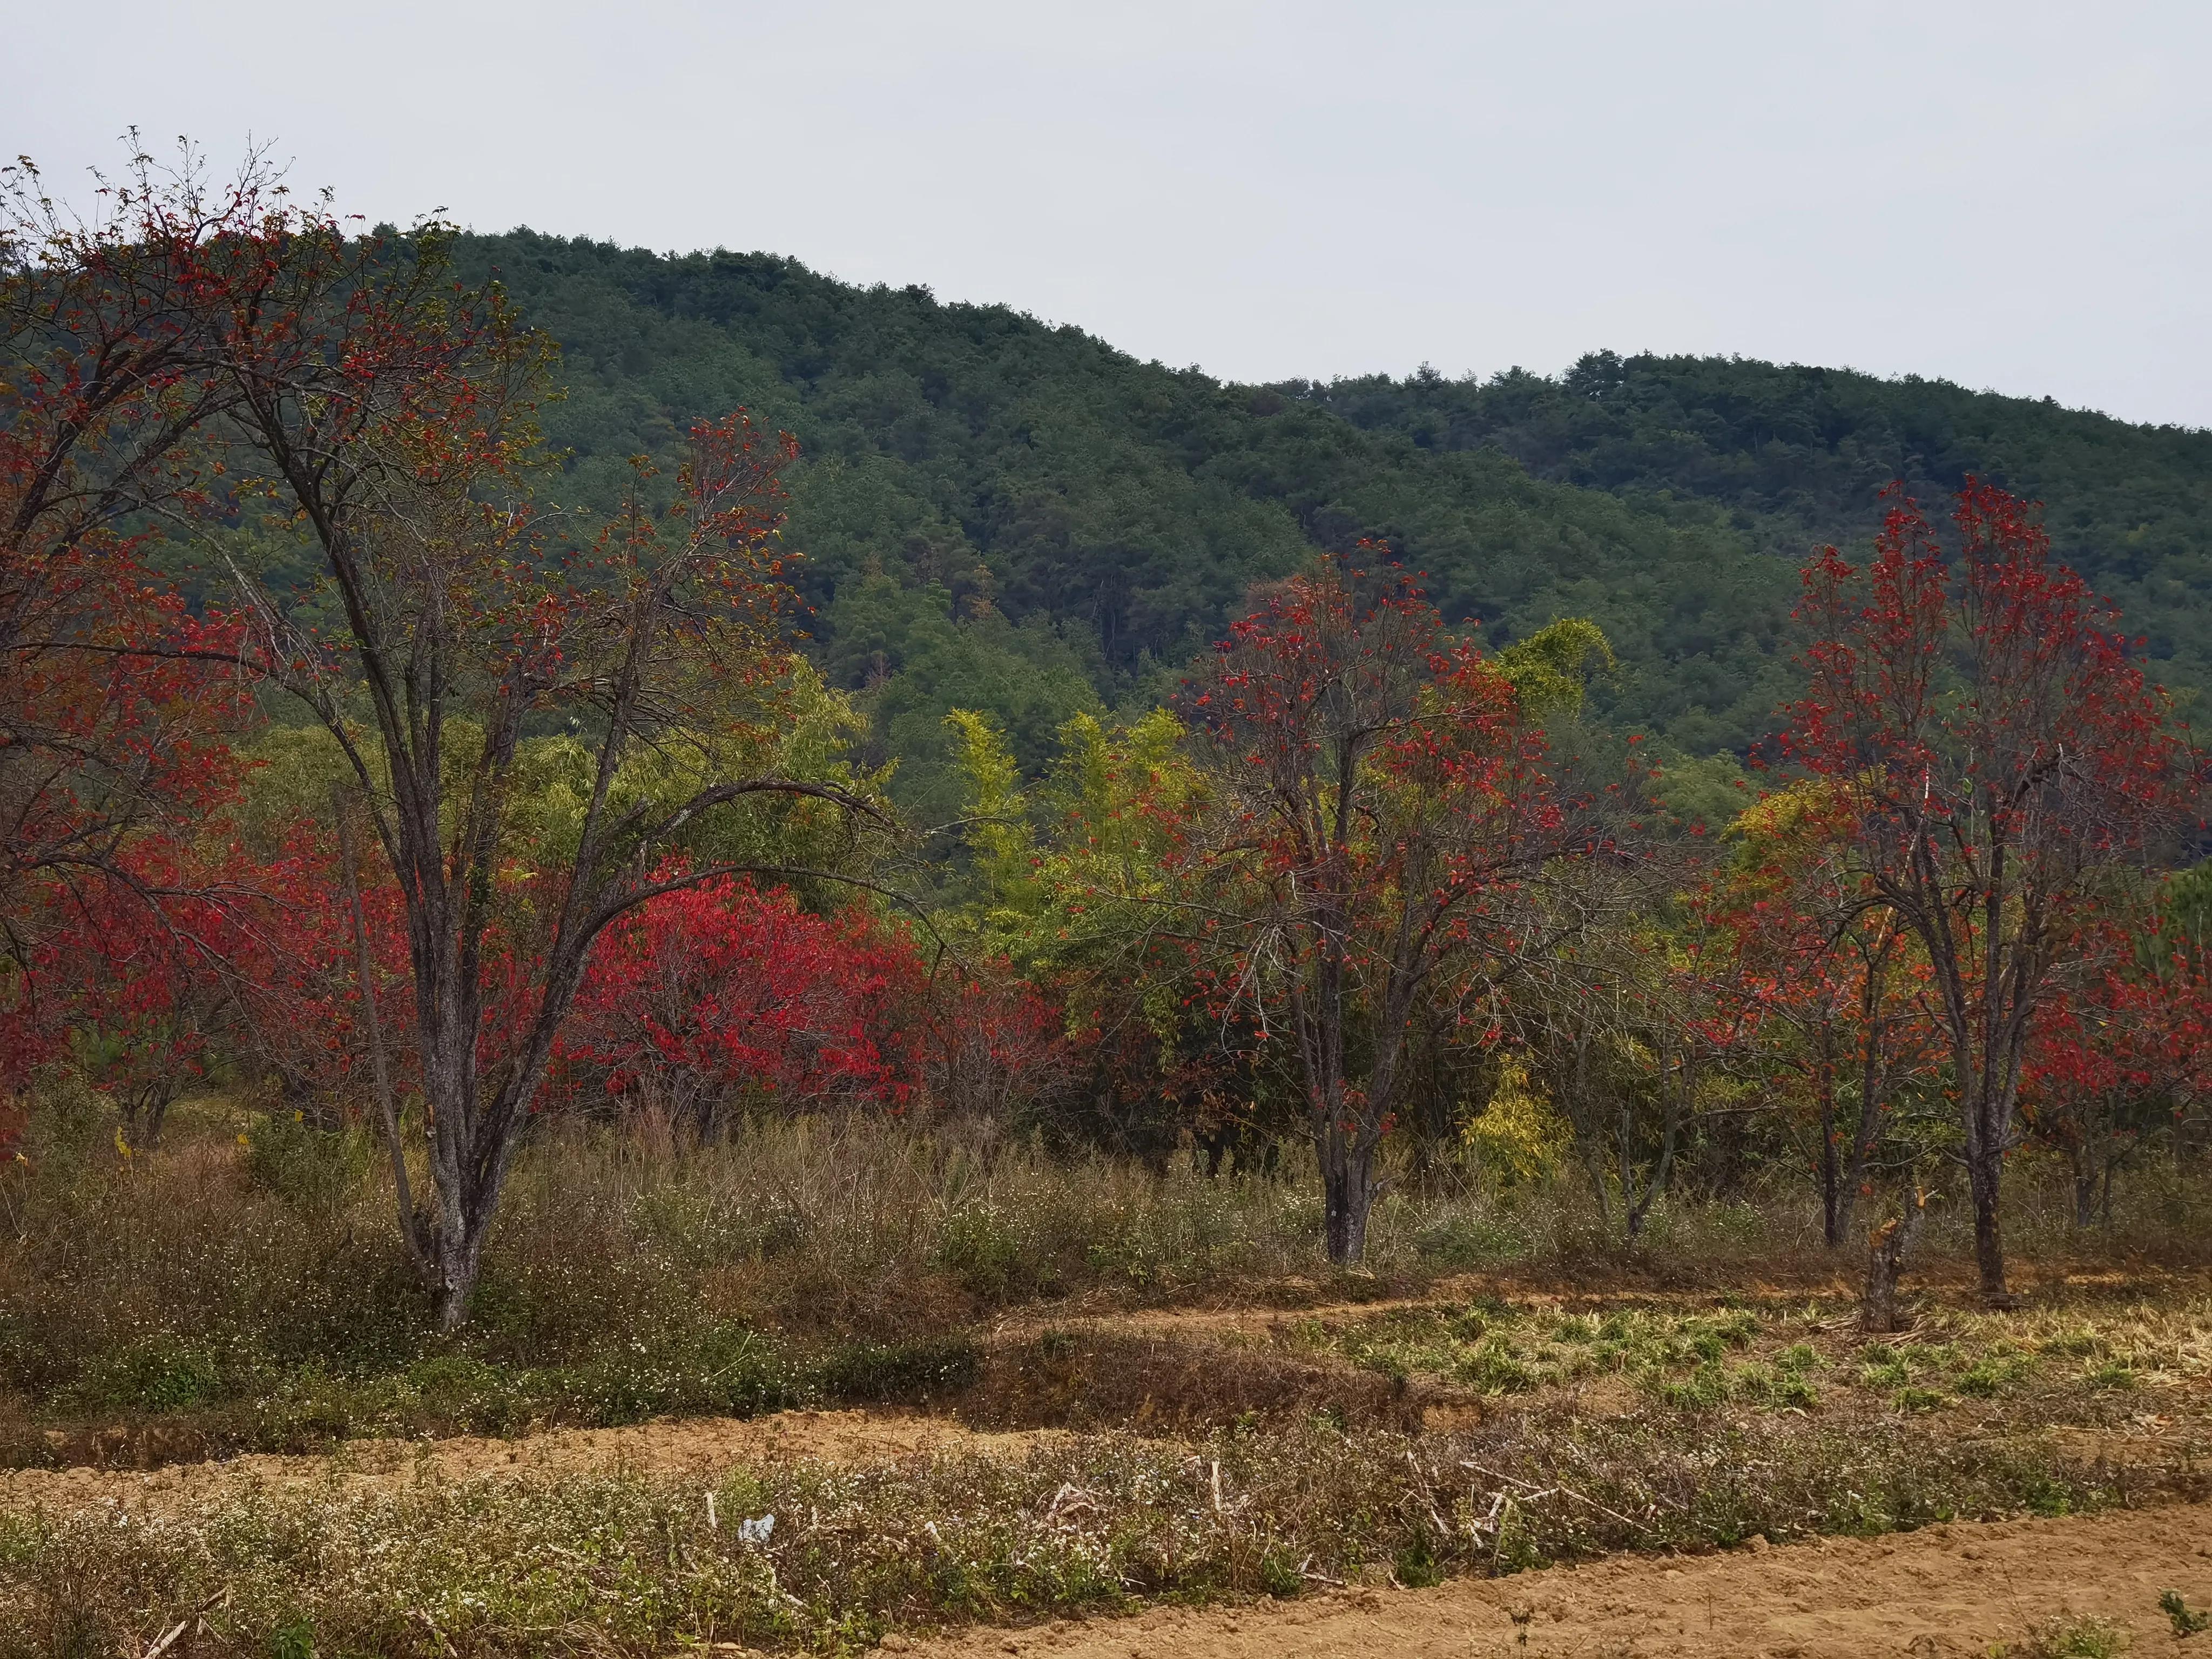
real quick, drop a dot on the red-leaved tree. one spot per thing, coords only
(1998, 752)
(113, 706)
(1382, 801)
(660, 645)
(2124, 1052)
(1839, 981)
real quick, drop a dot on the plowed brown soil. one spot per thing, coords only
(1953, 1590)
(700, 1445)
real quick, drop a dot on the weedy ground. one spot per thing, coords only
(1502, 1388)
(2092, 1353)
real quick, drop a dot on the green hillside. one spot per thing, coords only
(1798, 455)
(999, 513)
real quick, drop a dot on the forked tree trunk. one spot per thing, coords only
(475, 1128)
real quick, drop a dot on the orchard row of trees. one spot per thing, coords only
(446, 806)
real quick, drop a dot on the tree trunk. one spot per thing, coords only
(2085, 1188)
(1834, 1215)
(1347, 1196)
(1855, 1167)
(466, 1204)
(1879, 1314)
(1871, 1094)
(153, 1108)
(1984, 1161)
(412, 1226)
(460, 1260)
(449, 1103)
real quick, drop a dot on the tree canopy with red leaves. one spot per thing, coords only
(1381, 804)
(1998, 752)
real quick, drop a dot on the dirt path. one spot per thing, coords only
(676, 1446)
(1952, 1590)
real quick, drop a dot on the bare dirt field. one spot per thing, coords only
(1960, 1589)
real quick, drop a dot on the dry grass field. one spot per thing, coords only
(996, 1402)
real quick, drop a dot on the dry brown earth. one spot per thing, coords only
(690, 1446)
(1957, 1590)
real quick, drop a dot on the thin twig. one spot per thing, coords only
(1565, 1491)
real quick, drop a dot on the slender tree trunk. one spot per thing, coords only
(1984, 1162)
(1345, 1141)
(1834, 1214)
(1872, 1024)
(1855, 1167)
(2084, 1172)
(387, 1108)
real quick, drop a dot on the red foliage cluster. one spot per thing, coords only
(714, 997)
(1992, 685)
(200, 943)
(992, 1044)
(720, 993)
(2125, 1051)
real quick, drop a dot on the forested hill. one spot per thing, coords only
(1799, 455)
(999, 513)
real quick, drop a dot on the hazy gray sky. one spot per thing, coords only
(2010, 195)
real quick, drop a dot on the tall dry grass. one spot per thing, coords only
(251, 1260)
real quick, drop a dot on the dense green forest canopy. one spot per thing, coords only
(999, 513)
(1798, 456)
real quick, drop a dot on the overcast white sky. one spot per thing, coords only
(2010, 195)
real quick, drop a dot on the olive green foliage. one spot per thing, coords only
(1551, 671)
(1784, 1354)
(1073, 871)
(794, 727)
